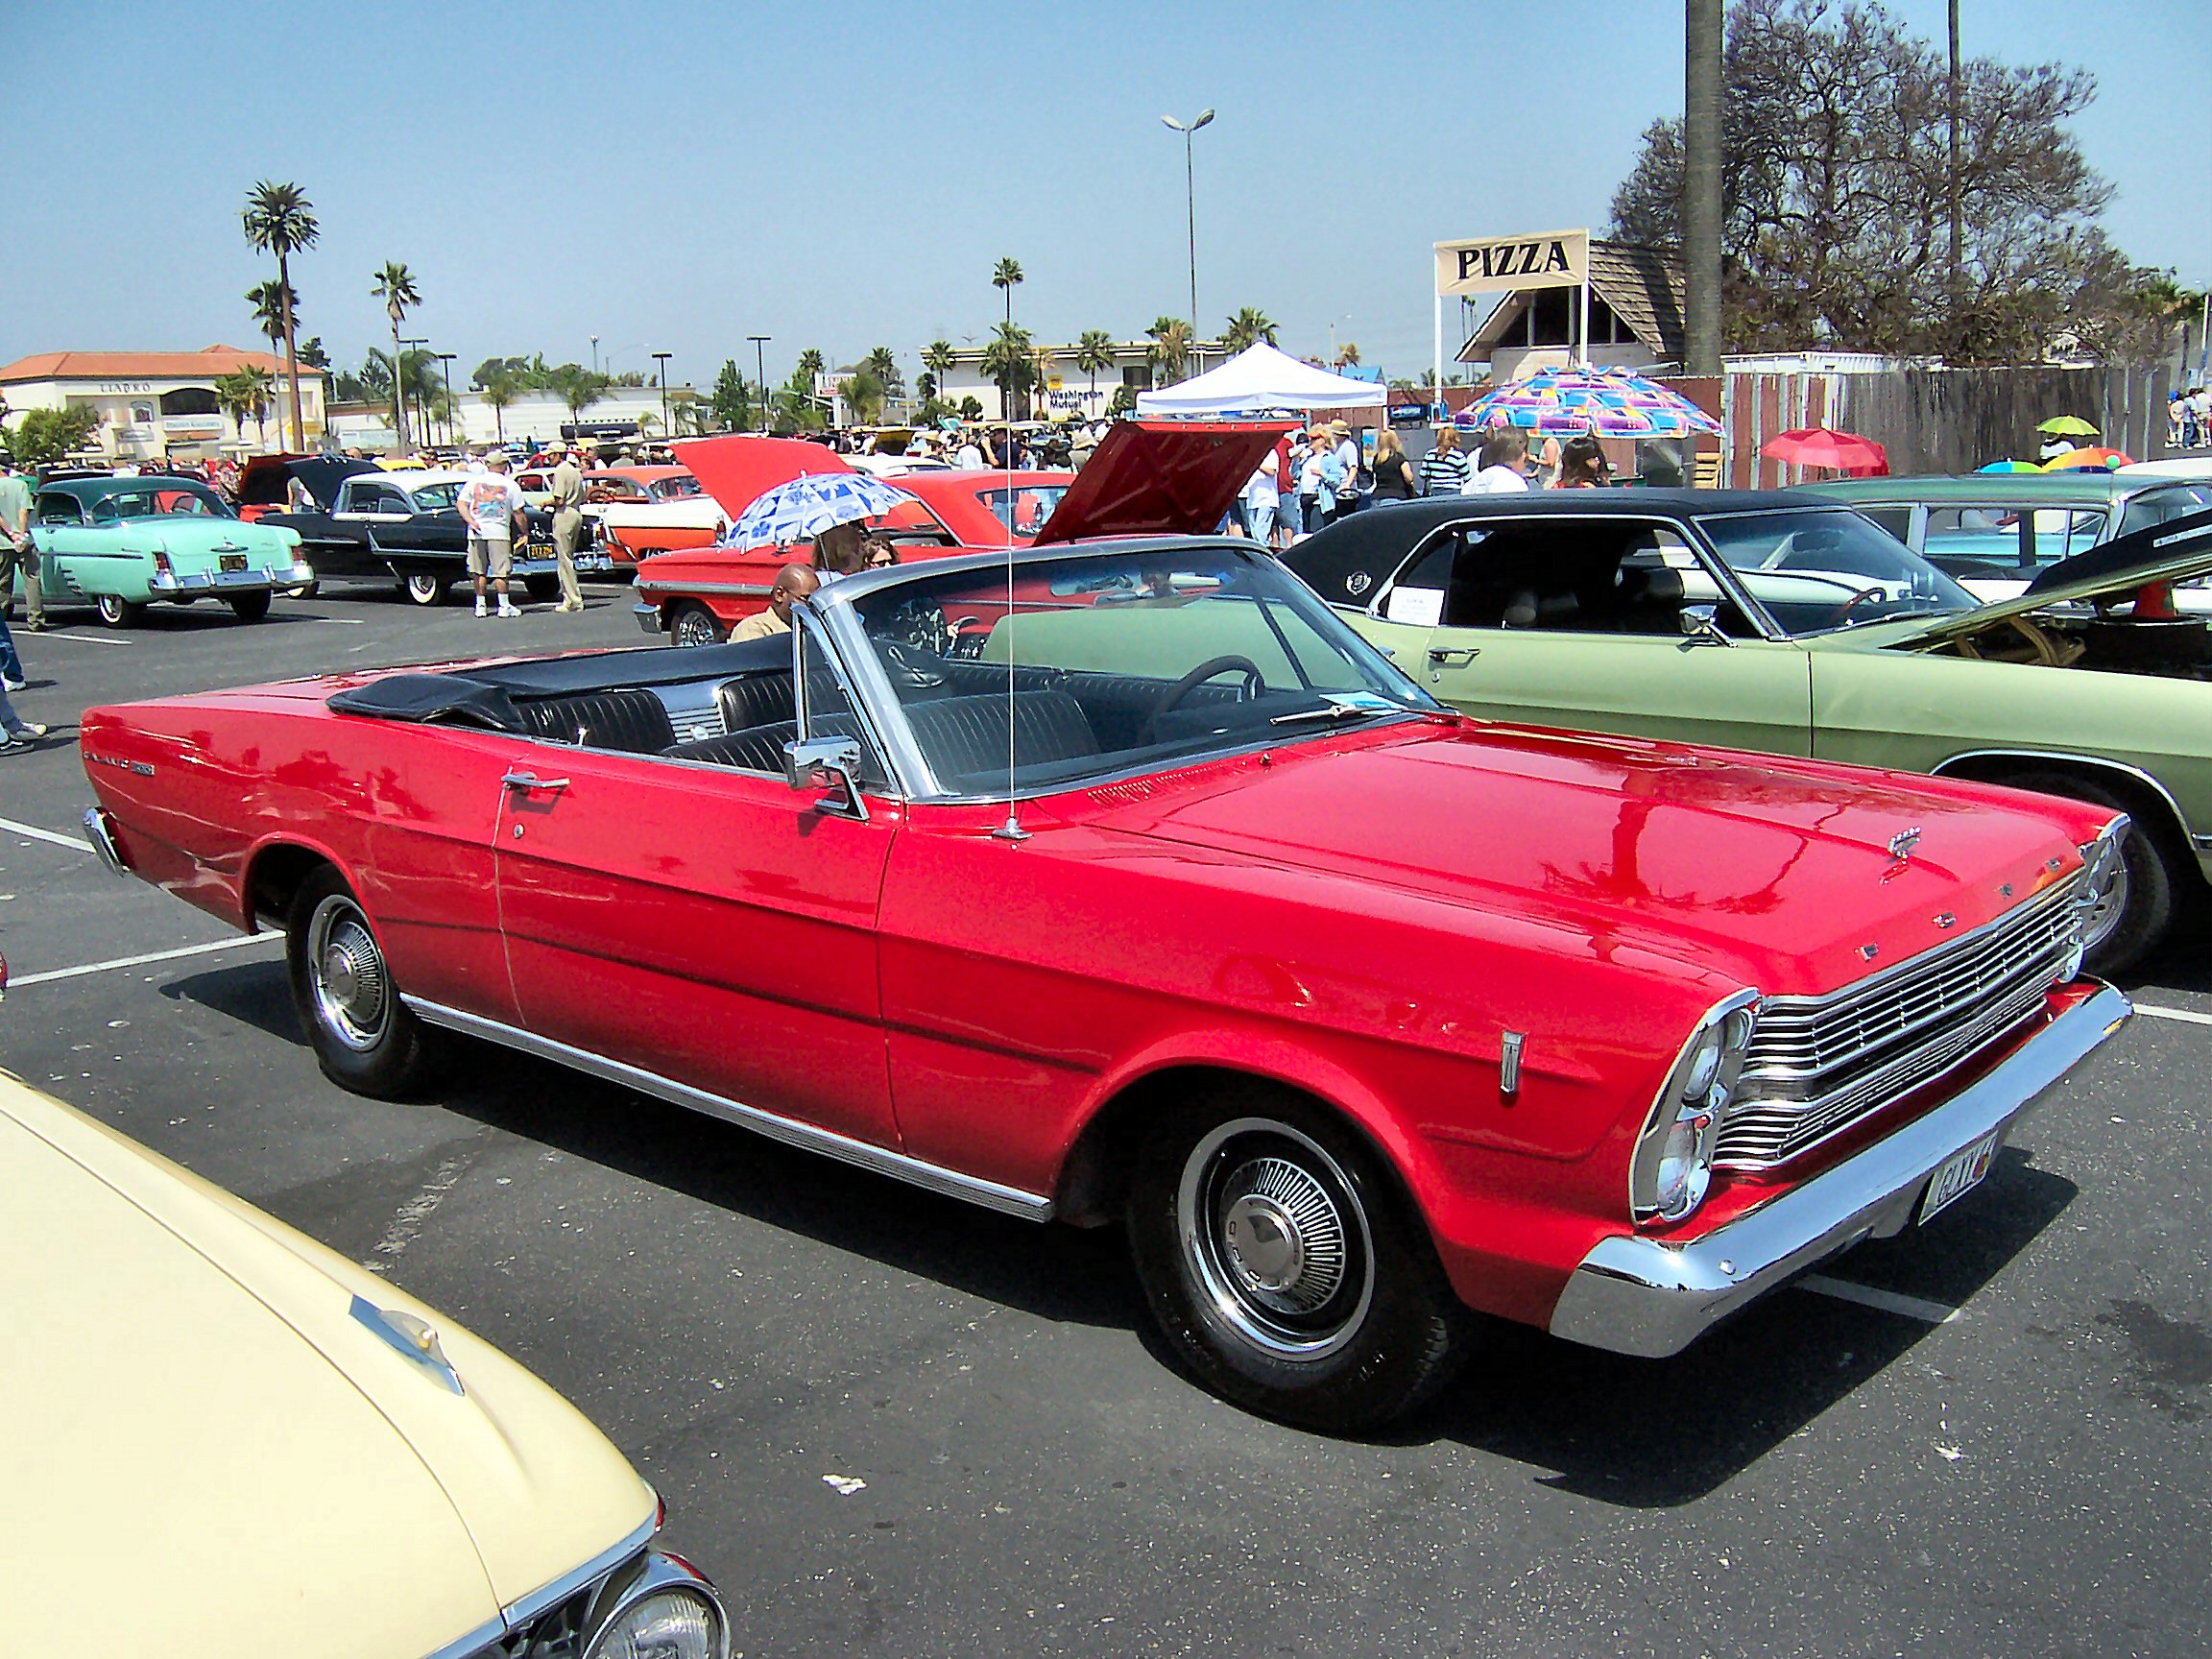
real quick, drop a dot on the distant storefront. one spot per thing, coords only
(160, 405)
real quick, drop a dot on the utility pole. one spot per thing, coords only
(760, 372)
(1190, 213)
(662, 359)
(1701, 183)
(1957, 330)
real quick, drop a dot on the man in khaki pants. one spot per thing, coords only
(16, 551)
(567, 500)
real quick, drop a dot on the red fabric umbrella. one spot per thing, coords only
(1818, 446)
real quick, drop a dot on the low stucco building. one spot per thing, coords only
(159, 404)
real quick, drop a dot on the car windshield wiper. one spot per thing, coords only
(1357, 706)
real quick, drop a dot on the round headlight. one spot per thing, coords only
(1704, 1066)
(667, 1624)
(1685, 1163)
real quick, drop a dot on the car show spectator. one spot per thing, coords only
(1261, 497)
(1506, 464)
(1394, 477)
(490, 504)
(840, 550)
(10, 664)
(1444, 469)
(17, 553)
(16, 731)
(1582, 465)
(566, 501)
(969, 458)
(792, 583)
(1346, 449)
(1320, 475)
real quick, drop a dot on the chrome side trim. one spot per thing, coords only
(102, 839)
(1651, 1297)
(677, 589)
(2099, 761)
(879, 1160)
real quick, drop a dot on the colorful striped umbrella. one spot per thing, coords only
(804, 507)
(2010, 467)
(1612, 402)
(2089, 460)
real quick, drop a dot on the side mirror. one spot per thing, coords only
(824, 763)
(1699, 627)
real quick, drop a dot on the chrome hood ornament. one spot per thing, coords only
(1901, 843)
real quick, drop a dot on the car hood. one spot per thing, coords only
(222, 1444)
(1161, 478)
(1739, 864)
(2180, 550)
(736, 469)
(263, 480)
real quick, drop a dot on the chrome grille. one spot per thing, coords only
(1818, 1064)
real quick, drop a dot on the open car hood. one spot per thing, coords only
(737, 468)
(2178, 550)
(1161, 478)
(261, 481)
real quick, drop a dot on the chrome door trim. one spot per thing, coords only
(2099, 761)
(879, 1160)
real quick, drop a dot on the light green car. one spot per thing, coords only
(120, 544)
(1783, 622)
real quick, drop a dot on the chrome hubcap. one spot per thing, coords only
(1275, 1237)
(2107, 903)
(352, 994)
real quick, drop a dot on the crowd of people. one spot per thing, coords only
(2189, 419)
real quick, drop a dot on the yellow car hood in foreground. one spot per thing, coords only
(204, 1451)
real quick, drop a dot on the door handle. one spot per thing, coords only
(531, 780)
(1454, 658)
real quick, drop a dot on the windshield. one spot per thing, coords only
(1024, 508)
(1815, 572)
(167, 498)
(676, 489)
(436, 498)
(1115, 662)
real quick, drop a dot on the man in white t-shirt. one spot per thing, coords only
(1504, 468)
(1263, 497)
(490, 504)
(969, 458)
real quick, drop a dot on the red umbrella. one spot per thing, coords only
(1818, 446)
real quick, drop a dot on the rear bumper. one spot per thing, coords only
(1651, 1297)
(649, 619)
(266, 579)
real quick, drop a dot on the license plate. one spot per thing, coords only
(1960, 1173)
(230, 561)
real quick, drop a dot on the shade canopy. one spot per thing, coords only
(1823, 447)
(1611, 402)
(1257, 379)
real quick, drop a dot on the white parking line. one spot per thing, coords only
(81, 638)
(75, 843)
(339, 621)
(2187, 1015)
(1888, 1300)
(51, 973)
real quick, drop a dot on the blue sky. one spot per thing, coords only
(676, 177)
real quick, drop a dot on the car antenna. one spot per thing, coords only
(1011, 830)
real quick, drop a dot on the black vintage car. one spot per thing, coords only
(374, 523)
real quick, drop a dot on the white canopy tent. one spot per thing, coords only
(1257, 379)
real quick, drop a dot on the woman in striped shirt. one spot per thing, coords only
(1444, 469)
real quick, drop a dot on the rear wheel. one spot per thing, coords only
(691, 623)
(118, 612)
(542, 589)
(250, 607)
(364, 1037)
(425, 587)
(2131, 913)
(1284, 1266)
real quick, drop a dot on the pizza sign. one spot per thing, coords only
(1495, 264)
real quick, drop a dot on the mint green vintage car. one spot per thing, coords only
(1785, 623)
(120, 544)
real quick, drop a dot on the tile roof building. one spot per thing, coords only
(157, 404)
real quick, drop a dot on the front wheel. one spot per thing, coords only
(542, 589)
(364, 1037)
(693, 624)
(425, 587)
(250, 607)
(1284, 1266)
(118, 612)
(2131, 913)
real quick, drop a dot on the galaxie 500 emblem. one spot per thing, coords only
(144, 768)
(1901, 843)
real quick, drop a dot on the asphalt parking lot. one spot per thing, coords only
(889, 1423)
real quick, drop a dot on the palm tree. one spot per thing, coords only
(500, 388)
(1349, 357)
(1094, 352)
(577, 387)
(1171, 347)
(269, 299)
(885, 365)
(247, 392)
(938, 358)
(1041, 362)
(1008, 273)
(394, 285)
(1248, 330)
(279, 219)
(1009, 360)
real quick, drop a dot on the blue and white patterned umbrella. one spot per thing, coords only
(806, 507)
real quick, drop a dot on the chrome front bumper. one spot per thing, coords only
(1650, 1297)
(648, 618)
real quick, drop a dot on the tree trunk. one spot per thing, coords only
(1958, 284)
(291, 357)
(398, 393)
(1701, 183)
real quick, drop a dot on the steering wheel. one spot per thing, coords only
(1836, 617)
(1213, 667)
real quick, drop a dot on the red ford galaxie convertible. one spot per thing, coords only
(1163, 899)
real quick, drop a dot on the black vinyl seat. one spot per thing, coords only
(756, 749)
(756, 700)
(963, 739)
(630, 719)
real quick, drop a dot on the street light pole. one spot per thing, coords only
(418, 409)
(1191, 212)
(662, 359)
(453, 410)
(594, 353)
(760, 373)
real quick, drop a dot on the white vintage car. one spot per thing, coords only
(223, 1439)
